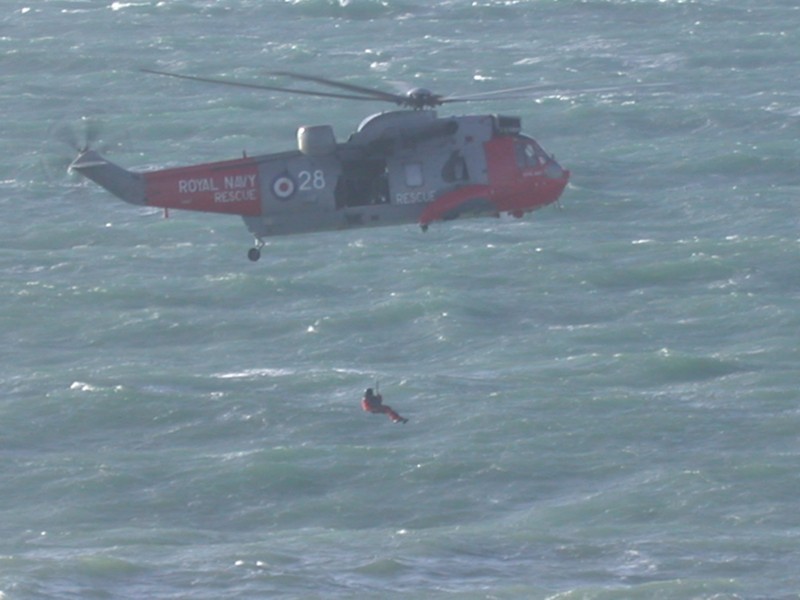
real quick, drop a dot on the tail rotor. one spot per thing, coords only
(71, 137)
(80, 135)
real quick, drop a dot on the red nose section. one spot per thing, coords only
(523, 177)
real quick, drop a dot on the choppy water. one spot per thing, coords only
(603, 398)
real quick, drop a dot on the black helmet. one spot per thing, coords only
(369, 392)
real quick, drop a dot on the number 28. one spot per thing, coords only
(311, 180)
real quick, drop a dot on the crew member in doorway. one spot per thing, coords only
(373, 403)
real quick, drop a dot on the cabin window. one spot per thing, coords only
(414, 174)
(455, 169)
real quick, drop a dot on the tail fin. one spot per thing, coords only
(123, 184)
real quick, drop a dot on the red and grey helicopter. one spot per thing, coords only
(398, 167)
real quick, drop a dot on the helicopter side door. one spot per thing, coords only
(363, 182)
(411, 180)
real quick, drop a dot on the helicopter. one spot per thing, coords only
(407, 165)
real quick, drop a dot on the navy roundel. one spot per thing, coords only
(283, 187)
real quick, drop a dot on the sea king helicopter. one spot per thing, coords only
(398, 167)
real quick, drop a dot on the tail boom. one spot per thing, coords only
(230, 187)
(124, 184)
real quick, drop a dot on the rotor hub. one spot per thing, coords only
(422, 98)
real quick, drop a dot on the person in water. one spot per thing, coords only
(373, 403)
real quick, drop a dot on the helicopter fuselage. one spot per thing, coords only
(399, 167)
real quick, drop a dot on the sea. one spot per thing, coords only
(603, 397)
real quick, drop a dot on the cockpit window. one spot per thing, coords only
(529, 154)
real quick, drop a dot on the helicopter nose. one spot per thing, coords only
(554, 171)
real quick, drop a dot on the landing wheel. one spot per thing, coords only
(255, 253)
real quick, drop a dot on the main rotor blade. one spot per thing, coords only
(524, 92)
(258, 86)
(492, 95)
(376, 94)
